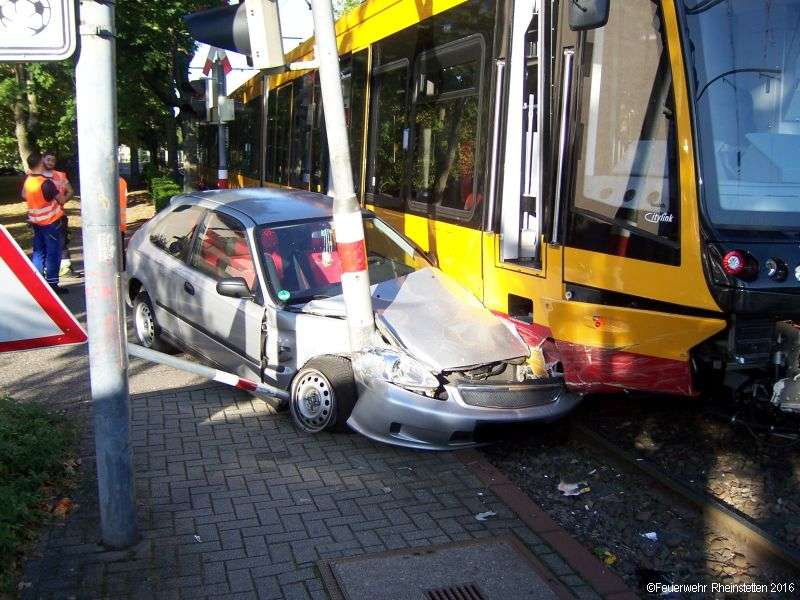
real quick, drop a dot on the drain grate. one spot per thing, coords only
(468, 591)
(503, 566)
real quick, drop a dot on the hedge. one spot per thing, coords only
(161, 190)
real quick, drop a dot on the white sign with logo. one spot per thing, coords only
(37, 30)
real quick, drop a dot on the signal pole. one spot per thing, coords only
(96, 94)
(222, 128)
(347, 220)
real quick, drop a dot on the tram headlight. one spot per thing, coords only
(394, 366)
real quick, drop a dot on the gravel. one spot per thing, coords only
(614, 516)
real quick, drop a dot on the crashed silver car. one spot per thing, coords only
(249, 280)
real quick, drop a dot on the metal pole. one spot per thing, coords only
(264, 128)
(260, 389)
(96, 94)
(347, 223)
(222, 131)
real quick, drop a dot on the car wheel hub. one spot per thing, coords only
(313, 402)
(145, 327)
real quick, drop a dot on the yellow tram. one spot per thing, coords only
(628, 194)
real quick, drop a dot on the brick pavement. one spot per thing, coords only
(233, 502)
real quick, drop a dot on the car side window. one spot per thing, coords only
(222, 250)
(174, 232)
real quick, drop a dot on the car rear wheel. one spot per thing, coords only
(148, 333)
(323, 395)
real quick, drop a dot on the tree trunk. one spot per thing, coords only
(135, 169)
(24, 141)
(152, 147)
(172, 147)
(190, 160)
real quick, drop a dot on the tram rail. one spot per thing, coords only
(765, 548)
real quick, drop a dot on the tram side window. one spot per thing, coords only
(358, 88)
(244, 135)
(270, 166)
(626, 180)
(389, 137)
(283, 111)
(445, 126)
(319, 143)
(300, 171)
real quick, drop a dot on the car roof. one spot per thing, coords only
(265, 205)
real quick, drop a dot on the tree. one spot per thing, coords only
(37, 110)
(342, 7)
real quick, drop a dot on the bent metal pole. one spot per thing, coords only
(259, 389)
(347, 223)
(95, 91)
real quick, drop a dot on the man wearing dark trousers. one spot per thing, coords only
(65, 193)
(44, 214)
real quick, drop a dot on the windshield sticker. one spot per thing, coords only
(284, 295)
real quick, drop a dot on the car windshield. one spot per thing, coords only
(745, 60)
(303, 263)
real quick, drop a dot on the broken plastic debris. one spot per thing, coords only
(651, 535)
(386, 490)
(604, 554)
(574, 489)
(485, 515)
(197, 538)
(593, 471)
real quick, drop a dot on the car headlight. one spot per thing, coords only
(388, 364)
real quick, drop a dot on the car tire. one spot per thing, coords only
(323, 394)
(145, 326)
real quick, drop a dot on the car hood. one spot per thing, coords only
(435, 320)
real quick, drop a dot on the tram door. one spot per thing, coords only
(521, 187)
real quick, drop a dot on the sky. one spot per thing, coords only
(296, 26)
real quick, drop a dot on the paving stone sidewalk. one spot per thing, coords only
(233, 502)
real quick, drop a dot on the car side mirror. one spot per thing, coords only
(234, 287)
(587, 14)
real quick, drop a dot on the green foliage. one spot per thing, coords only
(53, 125)
(161, 190)
(342, 7)
(34, 445)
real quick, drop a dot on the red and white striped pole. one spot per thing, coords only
(262, 390)
(222, 71)
(347, 223)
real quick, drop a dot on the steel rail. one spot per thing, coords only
(767, 548)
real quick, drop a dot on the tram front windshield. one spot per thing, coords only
(744, 58)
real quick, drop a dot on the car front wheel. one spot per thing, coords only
(323, 395)
(148, 333)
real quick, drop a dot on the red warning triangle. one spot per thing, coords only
(31, 314)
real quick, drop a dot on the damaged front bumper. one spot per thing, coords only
(388, 413)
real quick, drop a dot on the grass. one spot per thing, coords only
(37, 451)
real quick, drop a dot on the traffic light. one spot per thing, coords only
(252, 28)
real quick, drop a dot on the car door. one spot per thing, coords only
(157, 266)
(225, 330)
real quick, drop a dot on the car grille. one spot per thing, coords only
(510, 397)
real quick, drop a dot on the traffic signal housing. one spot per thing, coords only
(252, 28)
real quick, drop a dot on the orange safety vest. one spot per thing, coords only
(40, 210)
(123, 205)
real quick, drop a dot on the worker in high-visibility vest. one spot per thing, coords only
(65, 194)
(123, 217)
(44, 214)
